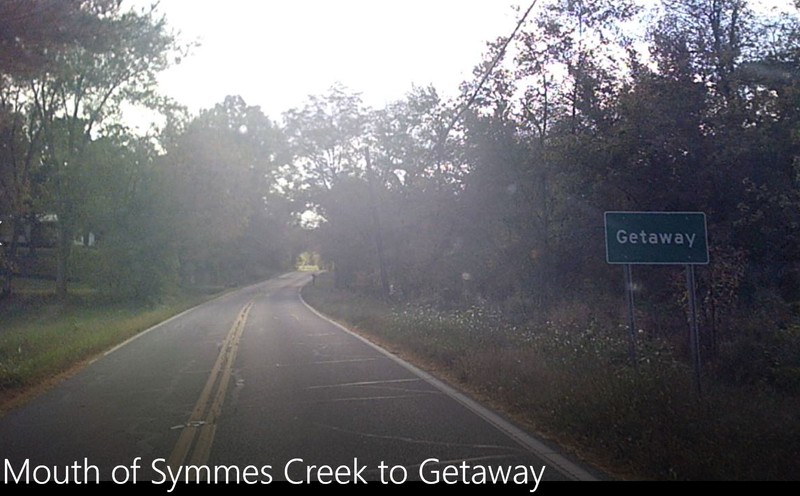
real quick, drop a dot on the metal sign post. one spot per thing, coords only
(694, 336)
(631, 317)
(659, 238)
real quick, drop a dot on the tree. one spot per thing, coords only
(135, 254)
(573, 58)
(83, 92)
(20, 139)
(327, 137)
(706, 126)
(36, 32)
(410, 171)
(222, 171)
(403, 138)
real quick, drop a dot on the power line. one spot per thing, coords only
(486, 75)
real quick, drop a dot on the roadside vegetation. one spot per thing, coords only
(105, 229)
(481, 221)
(42, 338)
(474, 224)
(568, 379)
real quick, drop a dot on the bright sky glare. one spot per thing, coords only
(275, 53)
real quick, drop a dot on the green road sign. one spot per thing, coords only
(656, 238)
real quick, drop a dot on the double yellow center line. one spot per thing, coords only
(196, 438)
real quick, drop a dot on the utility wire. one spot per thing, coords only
(486, 75)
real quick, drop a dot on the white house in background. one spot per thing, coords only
(41, 231)
(85, 239)
(23, 238)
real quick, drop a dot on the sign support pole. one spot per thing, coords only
(631, 318)
(694, 336)
(659, 238)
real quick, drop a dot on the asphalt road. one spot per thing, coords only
(256, 387)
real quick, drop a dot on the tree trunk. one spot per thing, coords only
(63, 245)
(546, 271)
(338, 278)
(378, 231)
(7, 271)
(11, 257)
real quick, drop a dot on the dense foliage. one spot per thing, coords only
(591, 112)
(493, 199)
(193, 201)
(478, 213)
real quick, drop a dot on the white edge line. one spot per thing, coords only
(146, 331)
(549, 455)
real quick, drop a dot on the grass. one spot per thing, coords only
(44, 288)
(41, 338)
(569, 380)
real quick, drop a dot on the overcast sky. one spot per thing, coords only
(276, 53)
